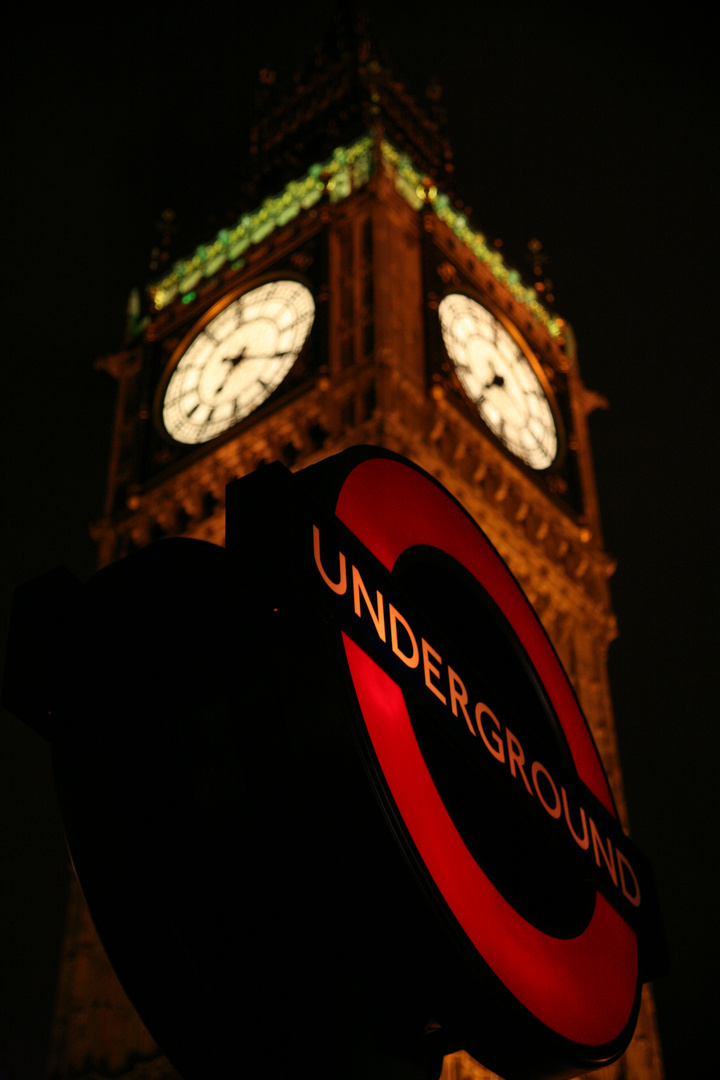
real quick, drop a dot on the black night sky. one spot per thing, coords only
(596, 135)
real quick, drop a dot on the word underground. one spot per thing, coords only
(449, 689)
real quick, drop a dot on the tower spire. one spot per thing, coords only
(345, 89)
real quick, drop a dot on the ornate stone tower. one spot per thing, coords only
(353, 303)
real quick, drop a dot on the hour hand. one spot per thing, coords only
(226, 368)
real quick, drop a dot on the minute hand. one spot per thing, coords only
(262, 356)
(270, 356)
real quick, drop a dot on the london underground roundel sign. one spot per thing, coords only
(480, 755)
(341, 758)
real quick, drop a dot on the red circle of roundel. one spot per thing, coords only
(582, 988)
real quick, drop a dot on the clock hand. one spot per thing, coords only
(266, 356)
(242, 356)
(497, 380)
(235, 360)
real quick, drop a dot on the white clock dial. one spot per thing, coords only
(497, 376)
(236, 360)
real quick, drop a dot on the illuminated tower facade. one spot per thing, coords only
(353, 303)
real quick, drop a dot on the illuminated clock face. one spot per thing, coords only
(235, 360)
(498, 377)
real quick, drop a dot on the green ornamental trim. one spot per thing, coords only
(348, 169)
(416, 189)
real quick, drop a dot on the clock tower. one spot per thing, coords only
(353, 302)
